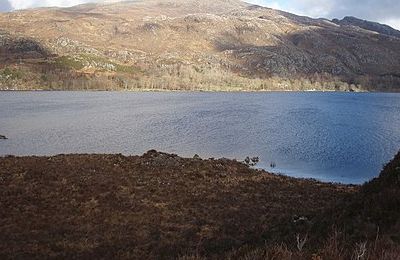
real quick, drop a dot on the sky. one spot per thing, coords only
(383, 11)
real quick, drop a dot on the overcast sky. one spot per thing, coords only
(384, 11)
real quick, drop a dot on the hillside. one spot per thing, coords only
(368, 25)
(191, 45)
(162, 206)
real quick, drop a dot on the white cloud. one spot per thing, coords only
(271, 4)
(395, 23)
(313, 8)
(23, 4)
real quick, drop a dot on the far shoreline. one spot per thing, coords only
(192, 91)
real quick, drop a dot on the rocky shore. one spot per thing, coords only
(162, 206)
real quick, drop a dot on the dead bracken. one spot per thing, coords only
(163, 206)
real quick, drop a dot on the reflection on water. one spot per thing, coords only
(344, 137)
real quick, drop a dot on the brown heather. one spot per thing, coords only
(161, 206)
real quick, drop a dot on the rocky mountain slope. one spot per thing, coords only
(368, 25)
(191, 45)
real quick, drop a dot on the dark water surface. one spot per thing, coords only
(341, 137)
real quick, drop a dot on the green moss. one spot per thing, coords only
(104, 61)
(125, 69)
(11, 73)
(100, 63)
(69, 63)
(44, 78)
(93, 58)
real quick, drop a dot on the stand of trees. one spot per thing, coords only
(183, 77)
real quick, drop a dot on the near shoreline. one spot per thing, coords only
(163, 206)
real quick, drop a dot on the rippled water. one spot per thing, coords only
(342, 137)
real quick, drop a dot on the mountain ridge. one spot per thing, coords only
(191, 45)
(368, 25)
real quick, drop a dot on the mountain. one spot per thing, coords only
(367, 25)
(191, 45)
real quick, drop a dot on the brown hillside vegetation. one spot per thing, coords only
(191, 45)
(164, 206)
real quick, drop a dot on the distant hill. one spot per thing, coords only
(368, 25)
(193, 45)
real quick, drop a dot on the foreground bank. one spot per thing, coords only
(164, 206)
